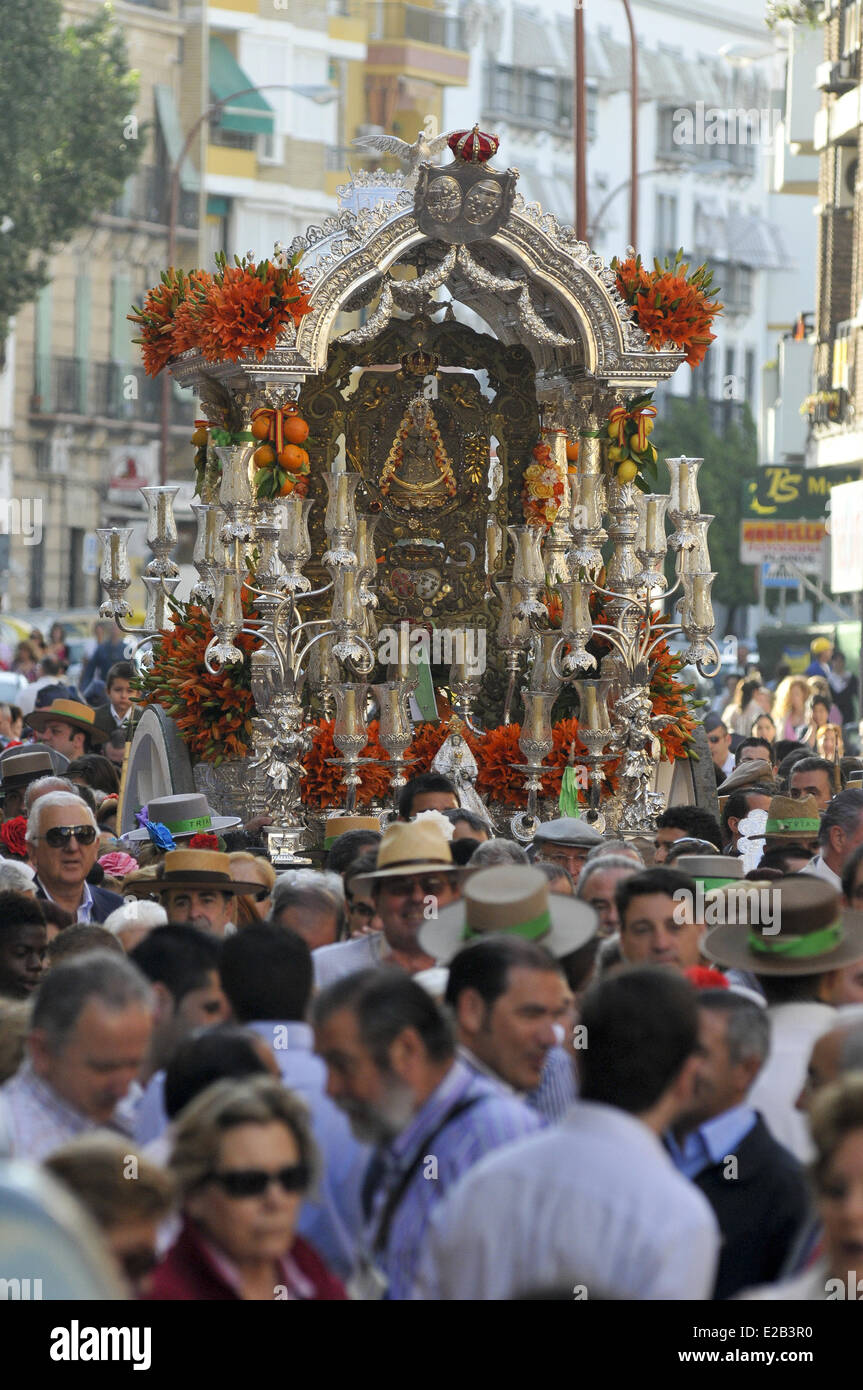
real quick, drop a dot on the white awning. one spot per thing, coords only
(535, 44)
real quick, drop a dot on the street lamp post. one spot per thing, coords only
(322, 96)
(633, 121)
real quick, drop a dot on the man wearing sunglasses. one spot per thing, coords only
(63, 843)
(414, 877)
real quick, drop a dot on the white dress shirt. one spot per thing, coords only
(332, 963)
(793, 1030)
(821, 870)
(594, 1201)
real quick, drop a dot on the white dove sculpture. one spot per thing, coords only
(412, 156)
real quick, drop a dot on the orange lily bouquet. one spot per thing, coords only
(213, 712)
(671, 306)
(240, 308)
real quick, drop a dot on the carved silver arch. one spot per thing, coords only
(561, 300)
(588, 328)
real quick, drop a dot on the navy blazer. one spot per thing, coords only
(760, 1211)
(104, 901)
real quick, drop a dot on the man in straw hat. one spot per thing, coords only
(504, 942)
(196, 889)
(792, 824)
(414, 878)
(68, 726)
(794, 937)
(16, 773)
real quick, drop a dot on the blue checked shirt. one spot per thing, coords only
(492, 1121)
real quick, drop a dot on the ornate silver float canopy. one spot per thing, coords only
(531, 280)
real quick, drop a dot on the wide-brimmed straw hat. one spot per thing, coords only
(751, 772)
(334, 826)
(59, 762)
(509, 900)
(184, 816)
(815, 933)
(22, 768)
(790, 818)
(192, 868)
(409, 847)
(710, 870)
(71, 712)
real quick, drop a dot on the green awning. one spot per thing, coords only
(217, 206)
(250, 114)
(172, 134)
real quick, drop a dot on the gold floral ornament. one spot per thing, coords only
(542, 488)
(417, 465)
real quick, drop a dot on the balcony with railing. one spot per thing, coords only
(113, 391)
(424, 43)
(147, 197)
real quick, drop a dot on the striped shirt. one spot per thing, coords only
(493, 1120)
(34, 1120)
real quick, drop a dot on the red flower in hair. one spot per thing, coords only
(702, 977)
(12, 834)
(204, 841)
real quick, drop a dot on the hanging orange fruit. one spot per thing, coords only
(287, 487)
(200, 437)
(292, 457)
(572, 451)
(260, 427)
(295, 429)
(264, 456)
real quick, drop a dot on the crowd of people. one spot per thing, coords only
(443, 1064)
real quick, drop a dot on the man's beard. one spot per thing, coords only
(379, 1124)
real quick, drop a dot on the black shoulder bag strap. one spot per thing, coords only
(395, 1198)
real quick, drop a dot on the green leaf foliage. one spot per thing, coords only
(64, 152)
(684, 426)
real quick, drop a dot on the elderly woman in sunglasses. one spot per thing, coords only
(243, 1160)
(63, 843)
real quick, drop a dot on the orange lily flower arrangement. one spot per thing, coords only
(241, 308)
(671, 306)
(213, 712)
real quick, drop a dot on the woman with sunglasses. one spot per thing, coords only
(243, 1160)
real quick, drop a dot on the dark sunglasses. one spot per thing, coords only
(253, 1182)
(60, 835)
(138, 1263)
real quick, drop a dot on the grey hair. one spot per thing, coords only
(68, 987)
(748, 1025)
(135, 914)
(498, 852)
(312, 892)
(600, 865)
(614, 849)
(54, 799)
(42, 786)
(844, 810)
(14, 878)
